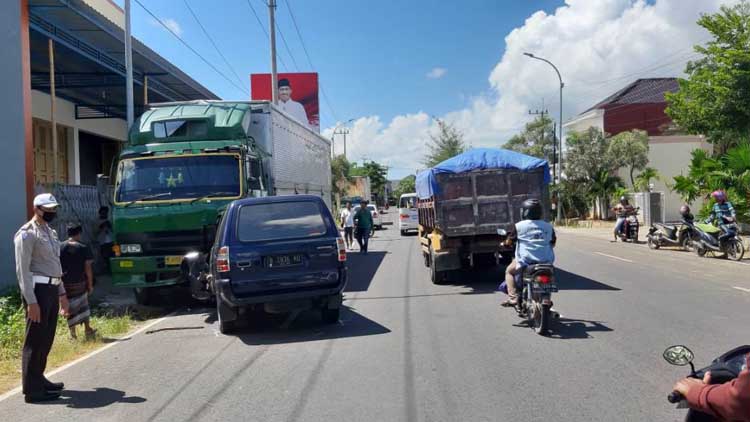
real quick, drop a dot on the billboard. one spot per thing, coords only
(298, 95)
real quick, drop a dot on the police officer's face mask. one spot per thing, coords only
(48, 216)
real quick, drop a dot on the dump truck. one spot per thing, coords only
(183, 164)
(468, 203)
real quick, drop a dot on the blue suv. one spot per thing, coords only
(281, 253)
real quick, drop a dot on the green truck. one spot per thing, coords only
(183, 164)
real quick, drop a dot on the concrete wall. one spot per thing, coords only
(15, 121)
(593, 118)
(670, 156)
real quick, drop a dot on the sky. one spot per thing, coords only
(396, 66)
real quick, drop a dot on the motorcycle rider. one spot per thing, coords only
(722, 211)
(534, 239)
(621, 212)
(727, 402)
(687, 216)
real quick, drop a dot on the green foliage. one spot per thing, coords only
(643, 180)
(715, 98)
(377, 173)
(340, 169)
(446, 144)
(405, 185)
(729, 172)
(575, 198)
(12, 324)
(629, 149)
(537, 139)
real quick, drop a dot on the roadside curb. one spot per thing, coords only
(93, 353)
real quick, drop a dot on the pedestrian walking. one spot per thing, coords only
(78, 278)
(363, 224)
(37, 251)
(347, 222)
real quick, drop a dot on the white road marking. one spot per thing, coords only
(614, 257)
(17, 390)
(746, 290)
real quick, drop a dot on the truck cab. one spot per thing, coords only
(185, 162)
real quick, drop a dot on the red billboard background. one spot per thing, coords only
(304, 91)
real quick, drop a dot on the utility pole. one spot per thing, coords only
(272, 30)
(343, 131)
(128, 67)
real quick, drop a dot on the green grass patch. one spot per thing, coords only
(109, 323)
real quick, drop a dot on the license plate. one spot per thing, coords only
(173, 260)
(283, 261)
(126, 264)
(544, 287)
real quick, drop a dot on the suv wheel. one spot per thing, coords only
(225, 326)
(331, 316)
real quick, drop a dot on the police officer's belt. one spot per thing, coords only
(43, 279)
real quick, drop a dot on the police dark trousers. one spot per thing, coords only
(39, 338)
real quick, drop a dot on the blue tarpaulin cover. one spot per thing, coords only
(478, 159)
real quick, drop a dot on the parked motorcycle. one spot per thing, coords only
(723, 369)
(724, 240)
(663, 234)
(535, 301)
(631, 226)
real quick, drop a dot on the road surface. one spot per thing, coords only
(407, 350)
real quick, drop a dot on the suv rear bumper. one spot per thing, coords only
(224, 289)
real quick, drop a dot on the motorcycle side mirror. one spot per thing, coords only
(678, 355)
(502, 232)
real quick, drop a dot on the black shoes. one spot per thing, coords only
(42, 397)
(53, 386)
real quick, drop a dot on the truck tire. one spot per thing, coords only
(331, 316)
(437, 277)
(145, 296)
(426, 260)
(225, 326)
(403, 232)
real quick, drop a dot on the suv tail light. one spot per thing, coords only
(342, 249)
(543, 278)
(222, 260)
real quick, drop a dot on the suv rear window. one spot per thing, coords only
(278, 221)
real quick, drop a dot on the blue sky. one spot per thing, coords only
(375, 57)
(372, 56)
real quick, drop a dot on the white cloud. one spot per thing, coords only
(169, 23)
(599, 46)
(436, 73)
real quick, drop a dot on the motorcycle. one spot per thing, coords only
(630, 227)
(723, 369)
(663, 234)
(724, 239)
(535, 302)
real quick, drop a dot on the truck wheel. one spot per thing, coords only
(225, 326)
(331, 316)
(403, 232)
(437, 277)
(144, 296)
(426, 260)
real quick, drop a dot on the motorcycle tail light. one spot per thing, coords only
(222, 260)
(543, 278)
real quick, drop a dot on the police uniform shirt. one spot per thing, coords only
(37, 253)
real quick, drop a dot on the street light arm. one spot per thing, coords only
(549, 63)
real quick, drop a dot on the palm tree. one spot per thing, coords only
(602, 186)
(643, 180)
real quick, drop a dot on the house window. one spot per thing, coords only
(44, 157)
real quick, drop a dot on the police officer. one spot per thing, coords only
(39, 276)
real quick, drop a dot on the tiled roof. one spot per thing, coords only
(650, 90)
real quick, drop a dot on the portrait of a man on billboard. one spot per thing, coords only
(287, 104)
(297, 95)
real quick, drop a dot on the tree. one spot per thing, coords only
(537, 139)
(340, 169)
(405, 185)
(629, 149)
(643, 180)
(589, 166)
(729, 172)
(715, 98)
(377, 173)
(446, 144)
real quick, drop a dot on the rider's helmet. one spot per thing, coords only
(624, 200)
(531, 209)
(684, 210)
(719, 196)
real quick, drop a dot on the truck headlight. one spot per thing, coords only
(131, 248)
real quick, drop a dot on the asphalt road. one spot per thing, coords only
(406, 350)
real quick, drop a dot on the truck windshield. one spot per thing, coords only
(178, 177)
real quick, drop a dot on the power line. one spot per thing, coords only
(309, 61)
(213, 43)
(192, 49)
(268, 37)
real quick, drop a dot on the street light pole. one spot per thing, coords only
(560, 160)
(272, 39)
(129, 109)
